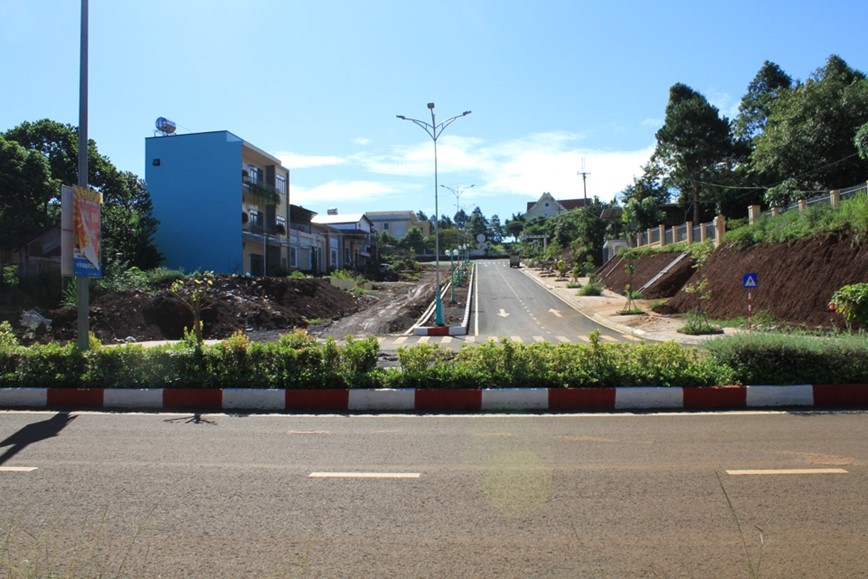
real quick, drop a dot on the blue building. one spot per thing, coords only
(223, 204)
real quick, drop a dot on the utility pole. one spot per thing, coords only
(585, 176)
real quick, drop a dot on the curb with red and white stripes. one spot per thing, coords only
(424, 400)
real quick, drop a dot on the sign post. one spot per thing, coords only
(750, 281)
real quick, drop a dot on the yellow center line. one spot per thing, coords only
(776, 471)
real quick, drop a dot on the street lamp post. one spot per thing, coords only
(434, 131)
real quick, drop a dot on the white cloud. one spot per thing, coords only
(337, 191)
(362, 141)
(505, 174)
(298, 161)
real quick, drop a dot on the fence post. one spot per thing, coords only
(689, 225)
(834, 197)
(803, 204)
(662, 230)
(776, 211)
(753, 213)
(719, 229)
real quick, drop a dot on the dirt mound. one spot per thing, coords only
(234, 303)
(795, 281)
(614, 274)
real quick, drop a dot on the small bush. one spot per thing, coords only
(851, 301)
(592, 288)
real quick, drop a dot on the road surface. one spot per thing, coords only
(435, 496)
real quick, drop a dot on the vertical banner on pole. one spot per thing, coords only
(86, 216)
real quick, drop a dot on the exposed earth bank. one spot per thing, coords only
(795, 281)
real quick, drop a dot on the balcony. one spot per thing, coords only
(260, 189)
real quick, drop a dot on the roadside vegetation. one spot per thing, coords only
(299, 361)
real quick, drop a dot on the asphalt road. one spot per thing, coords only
(512, 304)
(435, 496)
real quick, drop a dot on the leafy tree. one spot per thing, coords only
(768, 84)
(809, 134)
(695, 145)
(643, 199)
(460, 219)
(495, 229)
(514, 226)
(861, 141)
(26, 189)
(127, 223)
(413, 240)
(477, 223)
(581, 229)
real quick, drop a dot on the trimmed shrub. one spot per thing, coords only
(790, 359)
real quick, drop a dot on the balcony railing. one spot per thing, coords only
(260, 229)
(259, 188)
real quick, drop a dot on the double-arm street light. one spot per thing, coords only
(458, 191)
(434, 131)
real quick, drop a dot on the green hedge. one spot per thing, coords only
(299, 361)
(782, 359)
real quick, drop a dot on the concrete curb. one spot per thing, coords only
(451, 330)
(424, 400)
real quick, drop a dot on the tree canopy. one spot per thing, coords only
(127, 223)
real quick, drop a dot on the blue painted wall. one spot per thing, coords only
(196, 192)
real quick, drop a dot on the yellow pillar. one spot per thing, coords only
(753, 213)
(719, 229)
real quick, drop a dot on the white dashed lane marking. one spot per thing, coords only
(365, 475)
(781, 471)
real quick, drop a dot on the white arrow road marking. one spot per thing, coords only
(556, 312)
(17, 468)
(502, 313)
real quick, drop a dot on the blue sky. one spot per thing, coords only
(552, 84)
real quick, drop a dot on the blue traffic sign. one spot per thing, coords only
(749, 280)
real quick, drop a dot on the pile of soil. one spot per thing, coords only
(234, 303)
(795, 281)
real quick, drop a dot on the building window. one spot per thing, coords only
(293, 259)
(254, 174)
(385, 227)
(280, 184)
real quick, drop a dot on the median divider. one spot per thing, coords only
(425, 400)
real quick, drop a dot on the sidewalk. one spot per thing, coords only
(605, 310)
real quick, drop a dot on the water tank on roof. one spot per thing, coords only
(165, 126)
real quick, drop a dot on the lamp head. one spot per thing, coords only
(465, 113)
(431, 106)
(402, 117)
